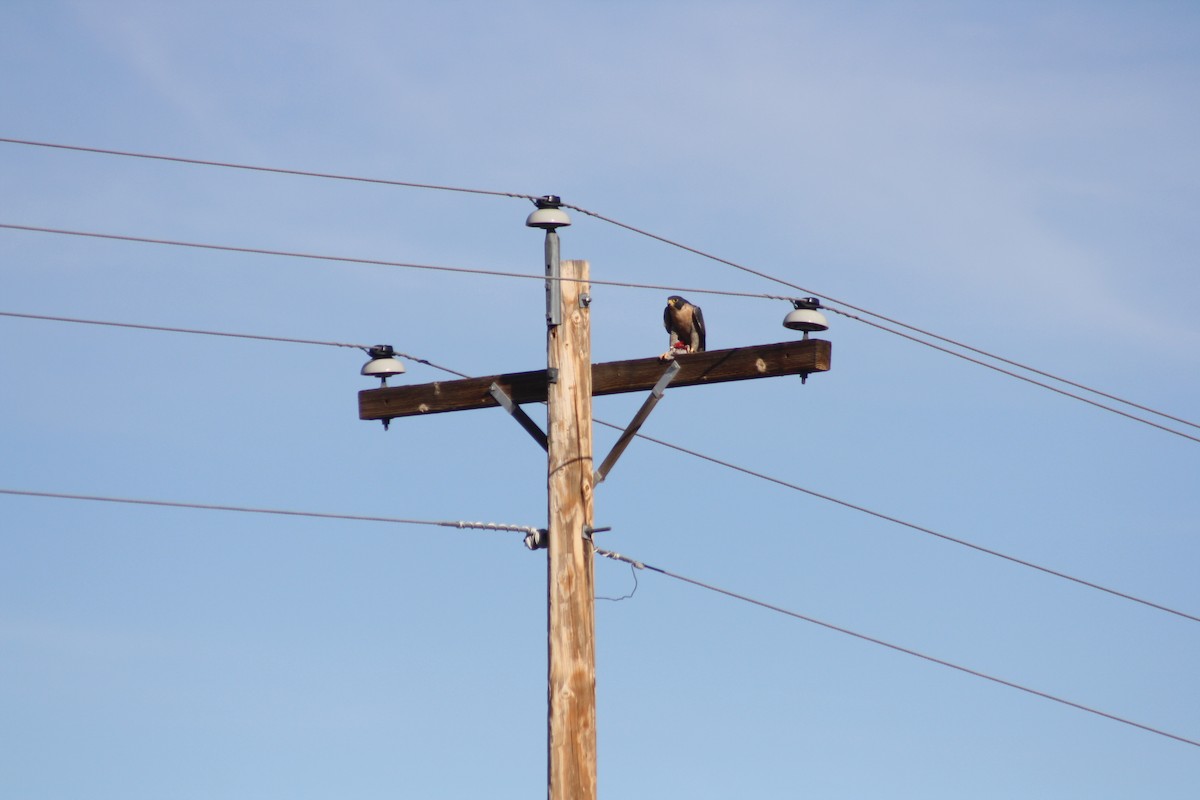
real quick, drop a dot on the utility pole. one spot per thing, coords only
(567, 386)
(571, 625)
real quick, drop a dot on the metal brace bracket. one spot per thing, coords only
(640, 417)
(520, 416)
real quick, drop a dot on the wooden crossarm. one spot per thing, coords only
(614, 377)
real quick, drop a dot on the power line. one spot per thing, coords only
(1025, 367)
(263, 251)
(633, 229)
(897, 521)
(661, 571)
(1029, 380)
(493, 526)
(374, 262)
(162, 328)
(913, 328)
(910, 525)
(628, 285)
(700, 253)
(684, 450)
(275, 170)
(896, 647)
(200, 332)
(527, 529)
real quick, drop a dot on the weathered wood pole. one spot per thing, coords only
(571, 625)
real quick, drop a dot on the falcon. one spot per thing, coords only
(685, 324)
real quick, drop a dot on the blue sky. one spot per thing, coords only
(1022, 179)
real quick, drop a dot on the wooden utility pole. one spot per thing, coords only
(571, 626)
(567, 387)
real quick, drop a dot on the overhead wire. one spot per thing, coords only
(226, 334)
(906, 326)
(1025, 367)
(376, 262)
(527, 529)
(912, 526)
(635, 565)
(261, 251)
(254, 168)
(695, 454)
(898, 648)
(461, 524)
(166, 329)
(629, 285)
(642, 232)
(1034, 382)
(696, 251)
(897, 521)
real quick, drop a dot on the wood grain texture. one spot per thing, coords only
(571, 679)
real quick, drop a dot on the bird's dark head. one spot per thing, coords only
(675, 301)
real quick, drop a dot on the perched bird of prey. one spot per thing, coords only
(685, 324)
